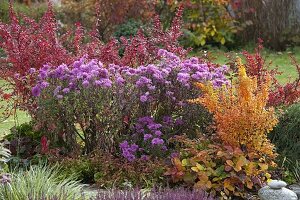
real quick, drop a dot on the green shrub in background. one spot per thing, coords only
(286, 136)
(35, 11)
(128, 29)
(40, 182)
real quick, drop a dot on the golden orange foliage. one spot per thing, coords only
(240, 112)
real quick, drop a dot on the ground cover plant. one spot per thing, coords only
(139, 111)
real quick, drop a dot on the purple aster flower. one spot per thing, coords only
(85, 83)
(17, 75)
(56, 91)
(66, 90)
(145, 157)
(43, 74)
(124, 144)
(174, 155)
(103, 73)
(36, 91)
(167, 120)
(44, 84)
(107, 83)
(59, 96)
(179, 122)
(183, 77)
(145, 120)
(154, 126)
(143, 81)
(147, 137)
(134, 147)
(120, 80)
(157, 141)
(144, 98)
(158, 133)
(32, 70)
(164, 148)
(161, 52)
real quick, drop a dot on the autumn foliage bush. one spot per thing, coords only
(280, 94)
(239, 157)
(109, 14)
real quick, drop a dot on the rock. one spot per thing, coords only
(295, 188)
(267, 193)
(276, 184)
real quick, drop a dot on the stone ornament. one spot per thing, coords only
(275, 190)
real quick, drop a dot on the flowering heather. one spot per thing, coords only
(164, 194)
(141, 102)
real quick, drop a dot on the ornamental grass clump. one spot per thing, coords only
(40, 182)
(109, 102)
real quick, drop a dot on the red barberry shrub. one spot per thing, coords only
(28, 44)
(280, 94)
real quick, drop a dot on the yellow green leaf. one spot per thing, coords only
(200, 167)
(223, 41)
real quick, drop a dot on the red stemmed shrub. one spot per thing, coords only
(28, 44)
(280, 94)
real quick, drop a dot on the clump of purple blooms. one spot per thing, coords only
(111, 92)
(149, 135)
(82, 74)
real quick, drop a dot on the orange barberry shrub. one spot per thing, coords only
(238, 160)
(240, 113)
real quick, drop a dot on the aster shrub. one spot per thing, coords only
(103, 105)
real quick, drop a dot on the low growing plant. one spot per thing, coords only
(222, 170)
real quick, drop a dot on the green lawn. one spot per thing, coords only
(280, 59)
